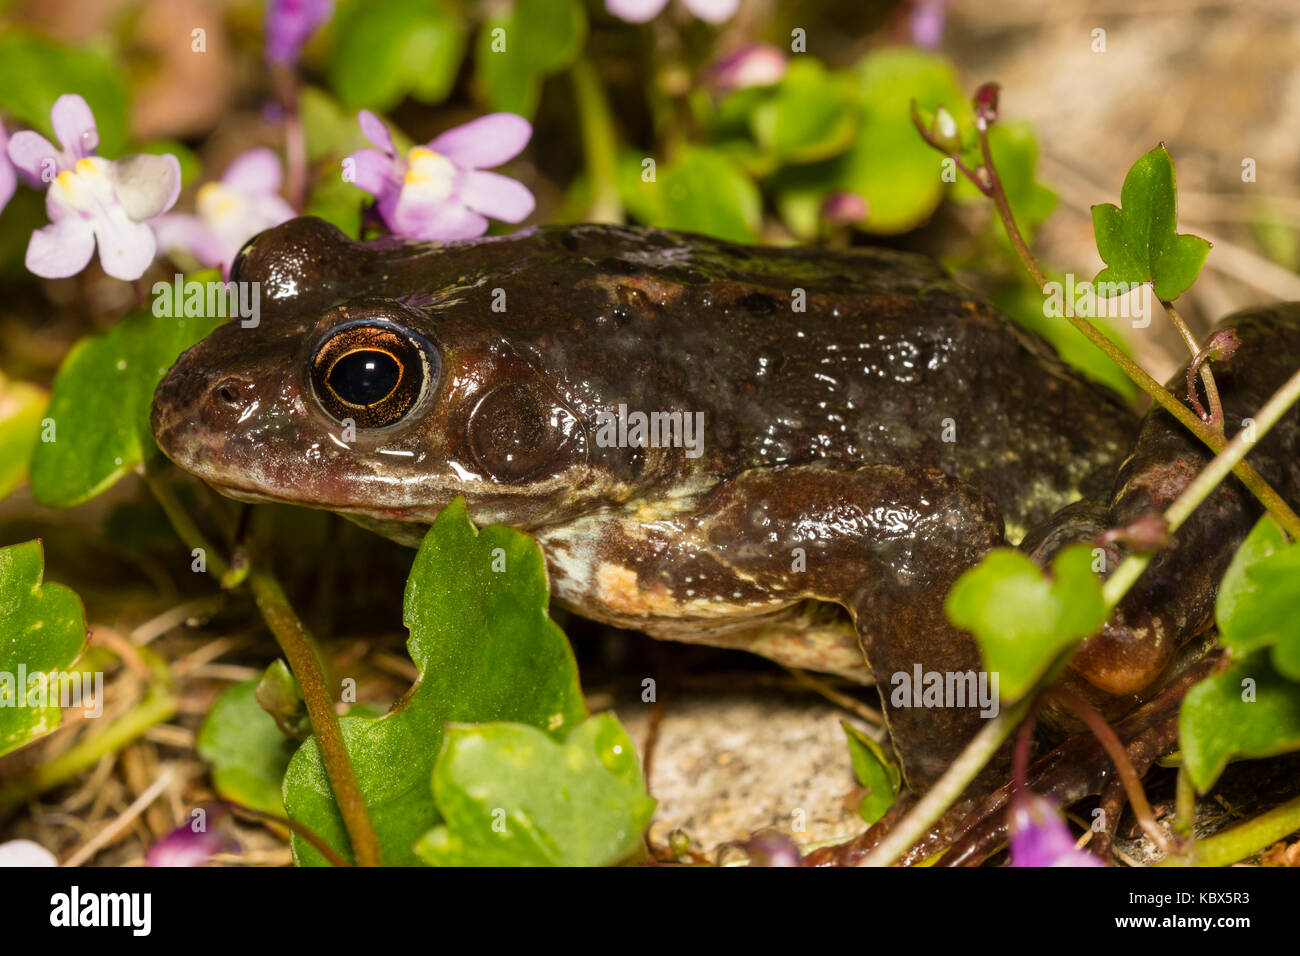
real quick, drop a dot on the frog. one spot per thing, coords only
(794, 451)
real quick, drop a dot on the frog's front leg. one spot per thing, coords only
(884, 542)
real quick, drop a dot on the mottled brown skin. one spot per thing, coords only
(863, 452)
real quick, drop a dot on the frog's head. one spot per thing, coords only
(378, 383)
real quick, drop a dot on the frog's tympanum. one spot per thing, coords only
(718, 444)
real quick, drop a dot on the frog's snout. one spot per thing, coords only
(194, 411)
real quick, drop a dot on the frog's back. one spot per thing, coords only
(795, 355)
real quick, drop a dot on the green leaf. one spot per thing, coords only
(38, 71)
(888, 164)
(701, 190)
(1257, 598)
(485, 650)
(1234, 607)
(876, 772)
(1249, 710)
(23, 216)
(42, 631)
(246, 749)
(337, 202)
(389, 49)
(21, 409)
(1137, 240)
(1022, 619)
(329, 129)
(810, 115)
(512, 796)
(100, 404)
(539, 37)
(331, 133)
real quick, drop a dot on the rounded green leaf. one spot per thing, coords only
(701, 190)
(1249, 710)
(518, 48)
(100, 404)
(389, 49)
(485, 649)
(42, 632)
(21, 408)
(246, 749)
(1249, 612)
(1021, 618)
(512, 796)
(812, 114)
(889, 164)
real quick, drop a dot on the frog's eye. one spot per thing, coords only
(518, 433)
(372, 374)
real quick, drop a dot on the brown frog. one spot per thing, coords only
(716, 443)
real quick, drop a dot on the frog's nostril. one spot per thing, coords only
(230, 391)
(230, 400)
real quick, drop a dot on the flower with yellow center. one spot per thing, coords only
(429, 174)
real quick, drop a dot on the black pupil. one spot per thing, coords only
(365, 377)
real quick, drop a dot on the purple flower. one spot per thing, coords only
(188, 846)
(8, 178)
(441, 191)
(925, 22)
(245, 201)
(290, 24)
(91, 199)
(844, 208)
(640, 11)
(772, 849)
(1039, 837)
(37, 159)
(755, 64)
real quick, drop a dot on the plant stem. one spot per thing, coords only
(295, 139)
(304, 660)
(1242, 840)
(968, 763)
(1215, 420)
(994, 190)
(950, 786)
(184, 526)
(599, 144)
(1128, 776)
(1204, 483)
(296, 643)
(301, 829)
